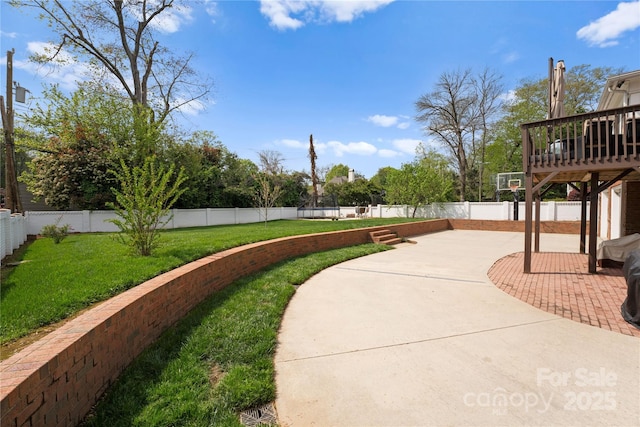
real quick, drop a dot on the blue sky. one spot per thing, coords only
(349, 72)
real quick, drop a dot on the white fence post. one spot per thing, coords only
(551, 210)
(13, 232)
(5, 232)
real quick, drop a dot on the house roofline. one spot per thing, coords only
(613, 82)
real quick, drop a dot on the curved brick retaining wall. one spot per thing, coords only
(56, 380)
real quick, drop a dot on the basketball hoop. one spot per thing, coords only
(514, 185)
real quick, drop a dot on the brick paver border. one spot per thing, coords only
(559, 283)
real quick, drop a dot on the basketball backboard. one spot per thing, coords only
(508, 181)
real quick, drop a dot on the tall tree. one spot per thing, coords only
(426, 180)
(314, 178)
(294, 189)
(528, 102)
(360, 192)
(448, 115)
(271, 162)
(457, 113)
(119, 39)
(203, 158)
(488, 89)
(76, 140)
(584, 86)
(238, 184)
(337, 170)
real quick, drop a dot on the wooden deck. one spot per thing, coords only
(591, 150)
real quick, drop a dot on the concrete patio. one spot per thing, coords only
(420, 336)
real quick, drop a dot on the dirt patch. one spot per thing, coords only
(215, 375)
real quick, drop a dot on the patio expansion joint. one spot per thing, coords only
(422, 276)
(382, 347)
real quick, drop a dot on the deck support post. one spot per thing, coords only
(536, 242)
(583, 218)
(593, 221)
(528, 217)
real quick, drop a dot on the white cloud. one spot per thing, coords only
(347, 11)
(292, 143)
(382, 120)
(211, 7)
(406, 145)
(170, 20)
(192, 108)
(357, 148)
(12, 35)
(388, 121)
(66, 70)
(278, 13)
(338, 148)
(604, 31)
(293, 14)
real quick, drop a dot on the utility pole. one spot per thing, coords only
(12, 194)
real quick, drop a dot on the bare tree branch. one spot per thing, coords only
(118, 36)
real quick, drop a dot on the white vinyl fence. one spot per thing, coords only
(13, 232)
(549, 211)
(15, 228)
(96, 221)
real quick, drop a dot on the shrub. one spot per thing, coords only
(57, 233)
(143, 203)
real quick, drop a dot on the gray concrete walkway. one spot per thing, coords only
(419, 336)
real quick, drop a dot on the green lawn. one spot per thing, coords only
(218, 360)
(56, 281)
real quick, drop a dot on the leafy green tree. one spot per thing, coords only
(294, 188)
(357, 193)
(337, 170)
(426, 180)
(143, 201)
(584, 86)
(202, 157)
(379, 182)
(529, 102)
(380, 178)
(237, 182)
(76, 140)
